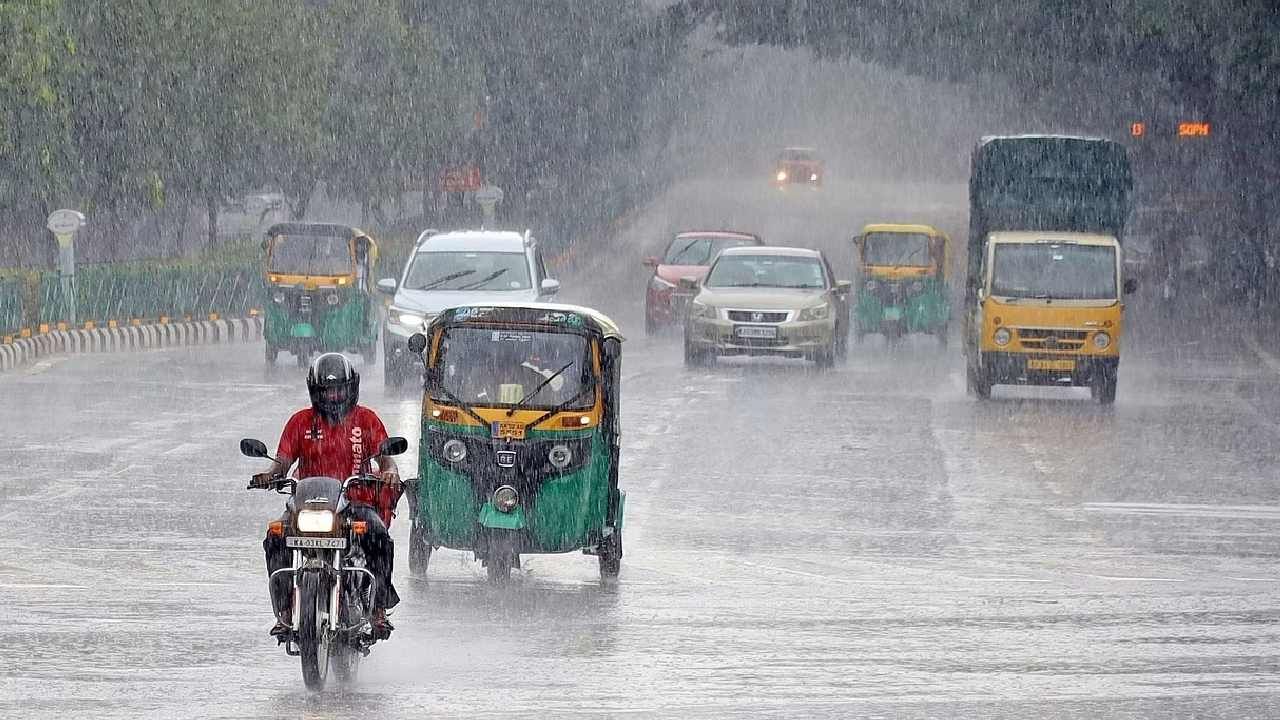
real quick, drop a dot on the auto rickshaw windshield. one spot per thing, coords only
(896, 249)
(310, 255)
(485, 366)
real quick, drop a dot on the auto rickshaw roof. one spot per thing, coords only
(315, 230)
(556, 314)
(902, 228)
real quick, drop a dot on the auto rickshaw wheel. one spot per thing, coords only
(392, 376)
(419, 550)
(610, 556)
(498, 567)
(271, 354)
(370, 353)
(1103, 388)
(302, 357)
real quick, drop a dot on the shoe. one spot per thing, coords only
(283, 627)
(382, 627)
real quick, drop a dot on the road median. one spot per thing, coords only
(129, 338)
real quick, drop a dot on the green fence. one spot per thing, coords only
(126, 292)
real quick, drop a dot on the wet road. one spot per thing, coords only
(866, 541)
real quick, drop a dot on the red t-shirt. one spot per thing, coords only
(337, 451)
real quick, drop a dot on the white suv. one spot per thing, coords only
(465, 267)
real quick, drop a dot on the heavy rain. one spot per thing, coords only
(924, 354)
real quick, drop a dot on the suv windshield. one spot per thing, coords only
(700, 250)
(452, 270)
(484, 366)
(780, 271)
(310, 255)
(1054, 271)
(883, 248)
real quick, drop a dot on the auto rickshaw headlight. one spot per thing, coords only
(315, 521)
(872, 285)
(1101, 340)
(505, 499)
(455, 451)
(560, 456)
(278, 297)
(1002, 336)
(817, 312)
(917, 286)
(332, 299)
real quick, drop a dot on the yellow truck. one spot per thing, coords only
(1044, 291)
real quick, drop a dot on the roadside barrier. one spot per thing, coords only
(18, 351)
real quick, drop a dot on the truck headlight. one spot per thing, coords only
(817, 312)
(1101, 340)
(315, 521)
(1002, 336)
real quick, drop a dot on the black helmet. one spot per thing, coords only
(334, 386)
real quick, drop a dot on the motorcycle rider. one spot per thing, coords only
(334, 438)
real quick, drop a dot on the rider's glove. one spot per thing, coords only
(392, 480)
(262, 481)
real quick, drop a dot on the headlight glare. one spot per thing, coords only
(560, 456)
(455, 451)
(409, 320)
(315, 521)
(1101, 340)
(1002, 336)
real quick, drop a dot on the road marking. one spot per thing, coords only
(1134, 579)
(1241, 512)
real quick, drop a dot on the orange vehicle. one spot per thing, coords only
(798, 166)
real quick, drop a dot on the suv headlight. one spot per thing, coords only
(315, 521)
(701, 310)
(406, 318)
(817, 312)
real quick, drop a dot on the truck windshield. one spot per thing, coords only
(883, 248)
(1054, 271)
(491, 367)
(311, 255)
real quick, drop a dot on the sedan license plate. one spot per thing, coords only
(768, 333)
(1051, 365)
(320, 543)
(507, 430)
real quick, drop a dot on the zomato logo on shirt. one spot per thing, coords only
(336, 451)
(357, 450)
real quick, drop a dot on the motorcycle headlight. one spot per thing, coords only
(315, 521)
(1101, 340)
(505, 499)
(1002, 336)
(278, 297)
(817, 312)
(560, 456)
(455, 451)
(660, 285)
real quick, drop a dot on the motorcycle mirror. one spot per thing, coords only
(253, 448)
(393, 446)
(417, 343)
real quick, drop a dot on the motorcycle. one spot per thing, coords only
(332, 587)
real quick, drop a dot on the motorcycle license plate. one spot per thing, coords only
(768, 333)
(507, 430)
(316, 543)
(1051, 365)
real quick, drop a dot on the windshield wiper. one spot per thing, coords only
(444, 279)
(478, 283)
(544, 383)
(450, 397)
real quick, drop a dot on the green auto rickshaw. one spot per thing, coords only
(320, 292)
(903, 281)
(519, 451)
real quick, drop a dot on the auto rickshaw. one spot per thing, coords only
(903, 271)
(319, 281)
(519, 450)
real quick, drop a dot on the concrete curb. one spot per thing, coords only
(130, 338)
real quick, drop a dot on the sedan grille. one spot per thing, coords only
(757, 316)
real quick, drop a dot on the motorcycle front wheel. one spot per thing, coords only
(313, 631)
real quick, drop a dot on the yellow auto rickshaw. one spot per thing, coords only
(903, 281)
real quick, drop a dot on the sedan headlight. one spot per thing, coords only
(455, 451)
(702, 310)
(817, 312)
(1002, 336)
(315, 521)
(1101, 340)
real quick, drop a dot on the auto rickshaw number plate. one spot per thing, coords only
(747, 331)
(1051, 365)
(508, 430)
(892, 313)
(312, 542)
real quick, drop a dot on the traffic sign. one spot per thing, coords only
(65, 222)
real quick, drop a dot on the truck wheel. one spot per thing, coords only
(1103, 388)
(978, 384)
(498, 567)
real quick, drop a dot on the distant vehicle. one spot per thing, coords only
(779, 301)
(689, 254)
(450, 269)
(1044, 283)
(798, 165)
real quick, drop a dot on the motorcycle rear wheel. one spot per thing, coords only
(313, 631)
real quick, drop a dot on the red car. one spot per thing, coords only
(688, 255)
(798, 166)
